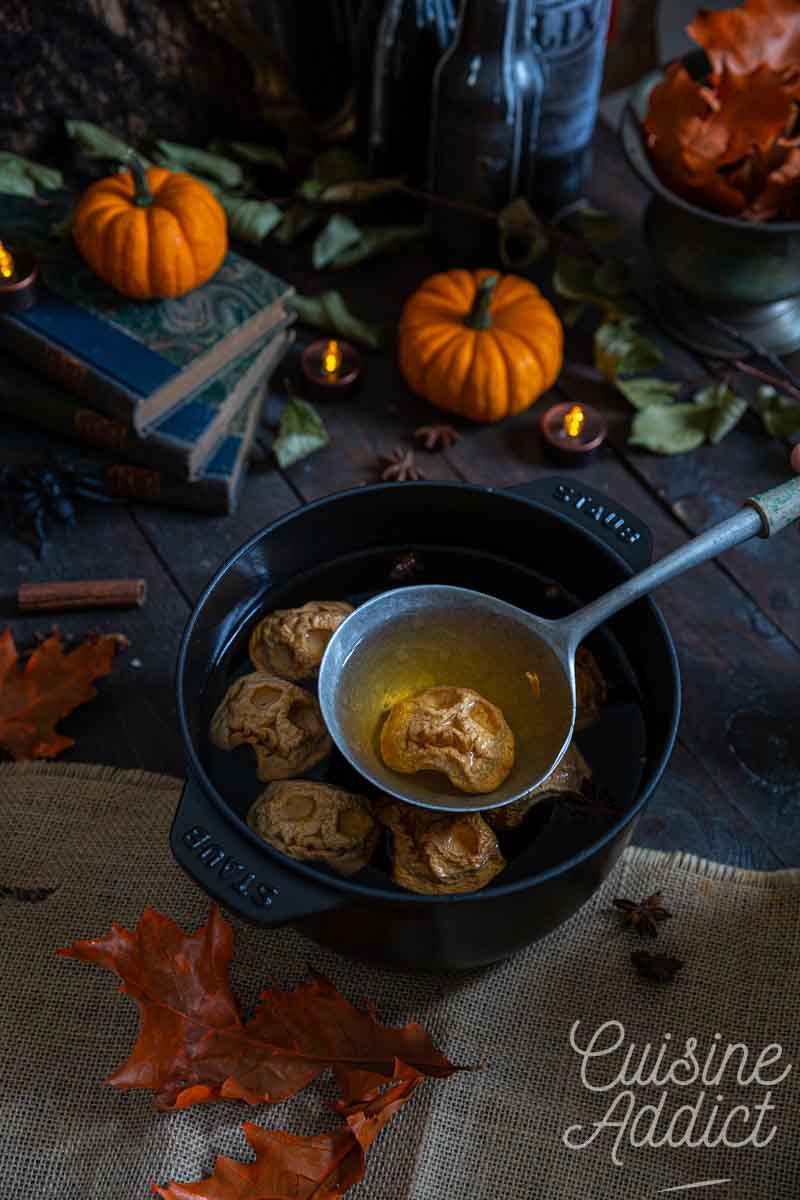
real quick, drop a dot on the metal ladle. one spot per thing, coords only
(530, 641)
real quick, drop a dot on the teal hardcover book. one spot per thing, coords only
(182, 442)
(132, 360)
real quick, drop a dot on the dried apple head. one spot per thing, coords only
(437, 854)
(316, 822)
(291, 641)
(281, 721)
(571, 774)
(453, 730)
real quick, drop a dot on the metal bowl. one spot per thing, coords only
(743, 273)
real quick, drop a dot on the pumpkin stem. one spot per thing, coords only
(478, 316)
(142, 196)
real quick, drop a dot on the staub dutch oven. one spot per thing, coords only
(549, 546)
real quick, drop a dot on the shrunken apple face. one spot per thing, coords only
(281, 721)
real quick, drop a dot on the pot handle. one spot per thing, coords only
(224, 864)
(580, 505)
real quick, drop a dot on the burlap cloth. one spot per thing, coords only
(99, 838)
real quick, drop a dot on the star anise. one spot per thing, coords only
(644, 916)
(400, 466)
(437, 437)
(405, 566)
(658, 967)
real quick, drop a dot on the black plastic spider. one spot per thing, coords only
(37, 495)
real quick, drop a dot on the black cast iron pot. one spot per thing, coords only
(549, 546)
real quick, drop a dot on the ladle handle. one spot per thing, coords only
(763, 515)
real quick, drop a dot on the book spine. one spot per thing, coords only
(60, 414)
(125, 482)
(105, 394)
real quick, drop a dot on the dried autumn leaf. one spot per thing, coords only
(620, 350)
(305, 1168)
(741, 39)
(51, 684)
(194, 1047)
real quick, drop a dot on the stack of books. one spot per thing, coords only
(171, 390)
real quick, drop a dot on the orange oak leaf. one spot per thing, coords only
(761, 32)
(34, 697)
(193, 1045)
(307, 1168)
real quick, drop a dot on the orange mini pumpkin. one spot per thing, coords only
(479, 344)
(151, 234)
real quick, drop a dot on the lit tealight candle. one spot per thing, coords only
(332, 359)
(572, 433)
(18, 273)
(7, 269)
(331, 368)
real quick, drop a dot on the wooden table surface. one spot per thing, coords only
(732, 790)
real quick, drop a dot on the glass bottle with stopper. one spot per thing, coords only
(487, 97)
(398, 44)
(571, 39)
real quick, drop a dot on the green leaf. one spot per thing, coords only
(14, 181)
(611, 278)
(338, 235)
(781, 416)
(250, 152)
(620, 350)
(728, 409)
(329, 311)
(337, 166)
(523, 237)
(310, 189)
(670, 428)
(45, 177)
(190, 158)
(300, 433)
(783, 422)
(641, 393)
(573, 278)
(97, 143)
(378, 240)
(298, 218)
(249, 220)
(357, 191)
(598, 227)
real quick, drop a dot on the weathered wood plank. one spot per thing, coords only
(133, 722)
(192, 546)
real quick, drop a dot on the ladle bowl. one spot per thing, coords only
(528, 643)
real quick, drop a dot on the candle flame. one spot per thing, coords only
(6, 262)
(574, 421)
(331, 358)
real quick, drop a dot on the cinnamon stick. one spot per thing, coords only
(81, 594)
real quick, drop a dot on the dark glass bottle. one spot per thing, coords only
(398, 44)
(571, 38)
(487, 96)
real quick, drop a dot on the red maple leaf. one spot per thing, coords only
(34, 697)
(307, 1168)
(193, 1046)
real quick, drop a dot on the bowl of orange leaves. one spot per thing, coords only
(715, 136)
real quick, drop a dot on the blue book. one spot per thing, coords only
(132, 360)
(182, 442)
(217, 485)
